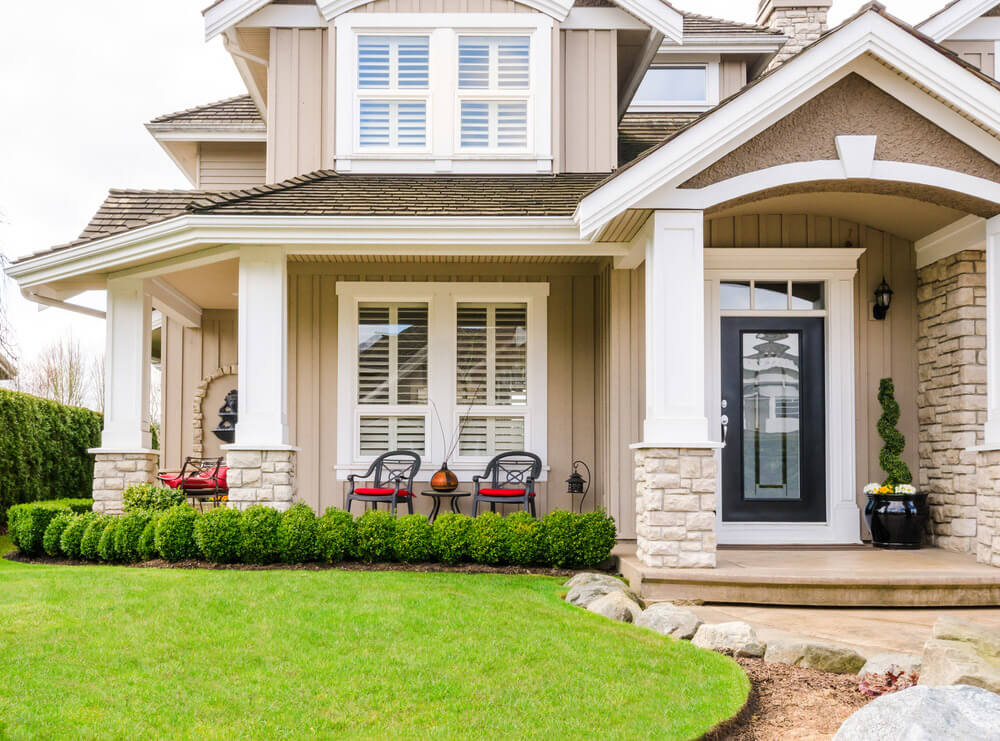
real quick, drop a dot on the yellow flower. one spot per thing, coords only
(885, 490)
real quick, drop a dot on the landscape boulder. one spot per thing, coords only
(736, 638)
(583, 594)
(812, 654)
(882, 663)
(589, 577)
(927, 714)
(670, 620)
(961, 652)
(617, 606)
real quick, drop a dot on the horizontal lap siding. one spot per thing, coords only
(882, 348)
(231, 165)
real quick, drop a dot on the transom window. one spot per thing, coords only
(393, 86)
(770, 295)
(687, 83)
(436, 366)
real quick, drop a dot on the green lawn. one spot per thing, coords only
(109, 652)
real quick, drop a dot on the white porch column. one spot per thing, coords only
(124, 457)
(676, 468)
(261, 462)
(675, 330)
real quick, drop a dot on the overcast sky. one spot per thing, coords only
(79, 79)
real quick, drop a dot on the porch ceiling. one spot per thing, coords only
(210, 286)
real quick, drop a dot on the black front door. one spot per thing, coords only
(773, 391)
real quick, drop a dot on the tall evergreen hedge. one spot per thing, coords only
(43, 450)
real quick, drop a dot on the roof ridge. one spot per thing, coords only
(166, 117)
(741, 24)
(215, 199)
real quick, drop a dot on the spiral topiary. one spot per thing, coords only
(896, 470)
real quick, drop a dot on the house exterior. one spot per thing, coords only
(609, 231)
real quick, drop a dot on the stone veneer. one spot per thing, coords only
(261, 477)
(114, 472)
(951, 392)
(988, 508)
(802, 22)
(675, 507)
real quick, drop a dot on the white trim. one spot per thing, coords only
(949, 21)
(165, 132)
(557, 9)
(127, 366)
(981, 29)
(658, 15)
(723, 44)
(857, 155)
(343, 235)
(285, 16)
(172, 303)
(836, 268)
(228, 13)
(991, 431)
(968, 233)
(788, 87)
(442, 299)
(601, 19)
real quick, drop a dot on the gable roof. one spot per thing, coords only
(954, 16)
(238, 111)
(703, 25)
(769, 95)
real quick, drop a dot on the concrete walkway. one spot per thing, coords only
(869, 631)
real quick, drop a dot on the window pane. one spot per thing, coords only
(473, 62)
(386, 123)
(475, 124)
(373, 62)
(374, 123)
(734, 296)
(508, 56)
(492, 354)
(413, 56)
(487, 436)
(411, 124)
(379, 55)
(678, 84)
(382, 434)
(392, 354)
(770, 296)
(513, 62)
(806, 296)
(512, 124)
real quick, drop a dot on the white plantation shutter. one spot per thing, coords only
(487, 67)
(388, 67)
(487, 436)
(382, 434)
(392, 62)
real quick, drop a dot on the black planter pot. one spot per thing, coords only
(897, 520)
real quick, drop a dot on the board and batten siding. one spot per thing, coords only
(732, 77)
(231, 165)
(883, 349)
(980, 54)
(589, 101)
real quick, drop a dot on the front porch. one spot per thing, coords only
(857, 576)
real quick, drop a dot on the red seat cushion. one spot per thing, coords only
(198, 481)
(381, 492)
(503, 492)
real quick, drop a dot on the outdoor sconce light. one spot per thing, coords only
(577, 484)
(883, 299)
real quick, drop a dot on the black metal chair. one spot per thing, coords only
(394, 473)
(200, 479)
(511, 480)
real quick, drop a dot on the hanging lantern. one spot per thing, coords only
(577, 484)
(883, 299)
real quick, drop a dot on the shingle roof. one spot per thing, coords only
(703, 25)
(327, 193)
(237, 111)
(637, 132)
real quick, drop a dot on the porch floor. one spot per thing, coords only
(856, 577)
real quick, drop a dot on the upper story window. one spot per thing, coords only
(688, 85)
(392, 91)
(443, 92)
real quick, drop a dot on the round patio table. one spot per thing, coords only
(439, 495)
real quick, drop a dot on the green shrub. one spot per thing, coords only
(525, 540)
(574, 541)
(217, 534)
(337, 535)
(414, 541)
(69, 543)
(896, 470)
(43, 450)
(298, 540)
(259, 534)
(451, 538)
(376, 533)
(488, 539)
(92, 538)
(130, 528)
(52, 539)
(174, 538)
(147, 540)
(28, 522)
(151, 497)
(107, 546)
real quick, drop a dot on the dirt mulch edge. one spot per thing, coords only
(464, 568)
(726, 728)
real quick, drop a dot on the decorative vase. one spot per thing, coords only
(897, 521)
(444, 480)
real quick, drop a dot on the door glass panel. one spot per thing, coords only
(807, 296)
(771, 364)
(770, 296)
(734, 295)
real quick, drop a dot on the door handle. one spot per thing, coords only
(725, 429)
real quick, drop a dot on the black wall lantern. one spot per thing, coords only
(577, 484)
(883, 299)
(228, 414)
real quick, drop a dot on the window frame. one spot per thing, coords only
(443, 151)
(711, 63)
(442, 300)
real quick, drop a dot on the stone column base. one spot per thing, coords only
(988, 506)
(114, 472)
(261, 477)
(675, 507)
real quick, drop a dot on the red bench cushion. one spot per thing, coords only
(503, 492)
(381, 492)
(198, 481)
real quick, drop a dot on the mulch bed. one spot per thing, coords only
(464, 568)
(788, 702)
